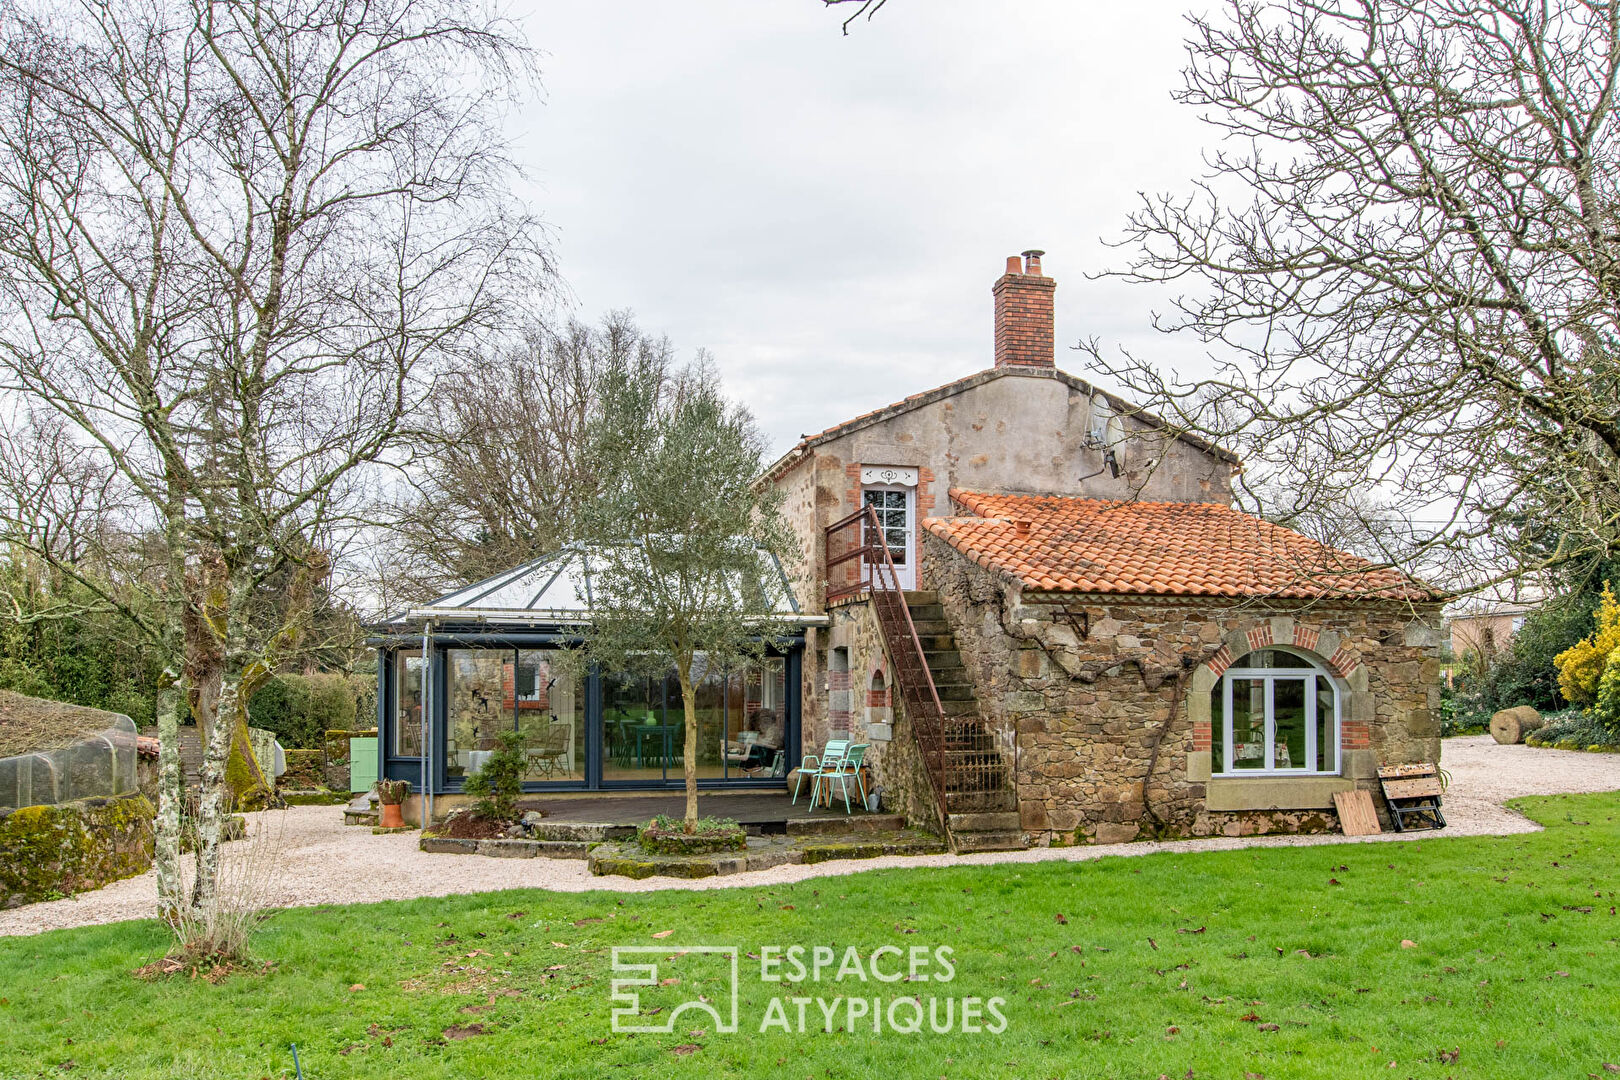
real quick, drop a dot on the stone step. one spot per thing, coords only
(954, 693)
(360, 817)
(940, 659)
(933, 628)
(936, 642)
(579, 832)
(968, 843)
(1005, 821)
(931, 612)
(921, 596)
(845, 825)
(956, 709)
(506, 849)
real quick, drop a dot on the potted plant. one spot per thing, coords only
(391, 793)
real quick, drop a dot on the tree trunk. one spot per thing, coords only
(689, 753)
(171, 804)
(231, 778)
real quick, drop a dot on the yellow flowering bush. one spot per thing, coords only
(1581, 666)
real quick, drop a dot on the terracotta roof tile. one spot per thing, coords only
(1057, 544)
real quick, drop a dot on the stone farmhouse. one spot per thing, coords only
(1030, 600)
(1043, 615)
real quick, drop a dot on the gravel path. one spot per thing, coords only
(321, 861)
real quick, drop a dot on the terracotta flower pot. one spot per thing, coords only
(391, 816)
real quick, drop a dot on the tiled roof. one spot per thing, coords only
(956, 386)
(1053, 544)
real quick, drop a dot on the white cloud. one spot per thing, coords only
(826, 213)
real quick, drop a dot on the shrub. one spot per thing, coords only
(281, 705)
(1573, 729)
(1605, 711)
(300, 709)
(331, 702)
(1581, 666)
(496, 785)
(364, 689)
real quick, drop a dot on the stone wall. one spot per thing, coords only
(54, 851)
(895, 762)
(1110, 698)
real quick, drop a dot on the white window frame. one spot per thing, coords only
(1270, 676)
(908, 570)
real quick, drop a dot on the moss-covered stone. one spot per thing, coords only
(54, 851)
(304, 769)
(314, 798)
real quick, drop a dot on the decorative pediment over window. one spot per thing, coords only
(891, 475)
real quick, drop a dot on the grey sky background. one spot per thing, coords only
(826, 214)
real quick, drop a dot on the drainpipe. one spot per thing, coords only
(425, 803)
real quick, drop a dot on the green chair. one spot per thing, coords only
(833, 751)
(841, 772)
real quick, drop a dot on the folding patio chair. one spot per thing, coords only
(812, 763)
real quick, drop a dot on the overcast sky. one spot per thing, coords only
(826, 214)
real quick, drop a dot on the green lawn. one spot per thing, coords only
(1279, 963)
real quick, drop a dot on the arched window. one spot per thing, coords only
(1275, 711)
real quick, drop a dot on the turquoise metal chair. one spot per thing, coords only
(841, 772)
(812, 763)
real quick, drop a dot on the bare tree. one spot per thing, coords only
(867, 8)
(504, 465)
(1407, 257)
(233, 237)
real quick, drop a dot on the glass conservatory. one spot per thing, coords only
(457, 672)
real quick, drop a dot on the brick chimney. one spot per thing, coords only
(1024, 334)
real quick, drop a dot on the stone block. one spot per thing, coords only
(1202, 682)
(880, 732)
(1198, 765)
(1023, 701)
(1422, 634)
(1031, 663)
(1282, 630)
(1109, 832)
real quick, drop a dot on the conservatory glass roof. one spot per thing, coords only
(557, 588)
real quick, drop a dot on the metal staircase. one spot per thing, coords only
(973, 785)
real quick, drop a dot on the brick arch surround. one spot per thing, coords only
(1356, 711)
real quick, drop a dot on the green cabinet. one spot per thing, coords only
(362, 763)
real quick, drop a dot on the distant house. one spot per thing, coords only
(1091, 645)
(1485, 625)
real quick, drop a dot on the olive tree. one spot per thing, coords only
(234, 238)
(1405, 261)
(683, 540)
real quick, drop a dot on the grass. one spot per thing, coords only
(1277, 963)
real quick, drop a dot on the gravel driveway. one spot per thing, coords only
(321, 861)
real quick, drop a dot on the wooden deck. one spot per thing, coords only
(769, 811)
